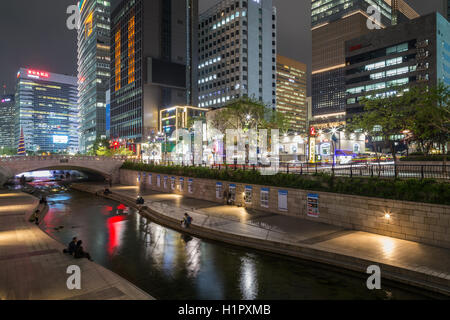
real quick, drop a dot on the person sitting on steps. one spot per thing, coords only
(71, 247)
(80, 253)
(187, 221)
(140, 200)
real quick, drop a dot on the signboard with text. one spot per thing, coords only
(313, 205)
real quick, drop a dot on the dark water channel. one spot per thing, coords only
(170, 265)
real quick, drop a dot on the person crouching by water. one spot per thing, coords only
(187, 221)
(140, 200)
(80, 253)
(71, 247)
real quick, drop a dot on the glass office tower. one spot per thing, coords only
(332, 23)
(93, 69)
(291, 93)
(7, 121)
(153, 63)
(46, 110)
(237, 53)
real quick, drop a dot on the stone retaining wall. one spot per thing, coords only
(421, 222)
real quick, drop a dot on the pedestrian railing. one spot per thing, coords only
(381, 170)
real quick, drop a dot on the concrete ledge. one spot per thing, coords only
(417, 277)
(33, 266)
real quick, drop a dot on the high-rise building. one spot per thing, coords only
(154, 63)
(387, 62)
(46, 110)
(446, 9)
(7, 121)
(237, 52)
(93, 69)
(292, 93)
(333, 23)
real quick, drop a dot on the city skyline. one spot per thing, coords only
(28, 47)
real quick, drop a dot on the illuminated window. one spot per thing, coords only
(117, 57)
(131, 51)
(88, 25)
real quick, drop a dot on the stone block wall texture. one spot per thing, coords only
(421, 222)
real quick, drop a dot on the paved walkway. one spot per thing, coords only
(33, 267)
(429, 261)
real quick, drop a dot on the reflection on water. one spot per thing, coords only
(170, 265)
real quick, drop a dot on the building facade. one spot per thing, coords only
(237, 52)
(387, 62)
(153, 63)
(292, 93)
(46, 110)
(446, 9)
(7, 113)
(333, 23)
(93, 69)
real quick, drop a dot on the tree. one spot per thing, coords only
(431, 118)
(384, 117)
(8, 151)
(247, 113)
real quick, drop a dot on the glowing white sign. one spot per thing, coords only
(60, 139)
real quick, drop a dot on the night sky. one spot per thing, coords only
(33, 34)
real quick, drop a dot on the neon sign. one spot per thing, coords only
(312, 131)
(39, 74)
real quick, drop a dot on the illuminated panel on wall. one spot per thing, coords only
(37, 74)
(117, 57)
(88, 25)
(131, 50)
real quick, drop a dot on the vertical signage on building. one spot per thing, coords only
(172, 183)
(265, 197)
(139, 177)
(313, 205)
(312, 150)
(191, 186)
(165, 182)
(219, 190)
(158, 181)
(248, 194)
(282, 200)
(150, 176)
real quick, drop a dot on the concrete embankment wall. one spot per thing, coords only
(421, 222)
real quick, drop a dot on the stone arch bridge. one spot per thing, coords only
(105, 166)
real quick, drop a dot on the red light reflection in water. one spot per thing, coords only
(107, 210)
(115, 229)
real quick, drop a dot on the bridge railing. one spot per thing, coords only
(62, 157)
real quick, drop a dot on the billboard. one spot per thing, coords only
(60, 139)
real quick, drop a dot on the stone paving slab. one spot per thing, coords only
(332, 240)
(33, 267)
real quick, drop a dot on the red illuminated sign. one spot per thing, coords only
(312, 131)
(357, 47)
(37, 73)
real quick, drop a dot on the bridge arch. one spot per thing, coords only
(105, 166)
